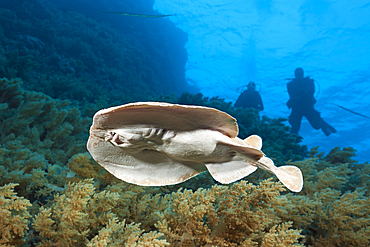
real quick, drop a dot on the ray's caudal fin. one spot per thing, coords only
(290, 176)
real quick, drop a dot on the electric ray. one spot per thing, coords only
(154, 144)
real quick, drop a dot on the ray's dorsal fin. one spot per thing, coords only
(254, 141)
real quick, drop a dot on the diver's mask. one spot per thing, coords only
(251, 85)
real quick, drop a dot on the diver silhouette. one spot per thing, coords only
(301, 91)
(250, 98)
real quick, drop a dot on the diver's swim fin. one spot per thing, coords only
(327, 128)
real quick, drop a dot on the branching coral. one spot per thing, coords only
(319, 173)
(340, 220)
(83, 166)
(14, 217)
(83, 216)
(330, 214)
(38, 136)
(117, 234)
(361, 177)
(239, 215)
(139, 204)
(74, 215)
(280, 236)
(42, 148)
(337, 155)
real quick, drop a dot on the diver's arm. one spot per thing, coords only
(289, 102)
(240, 101)
(311, 86)
(311, 90)
(260, 103)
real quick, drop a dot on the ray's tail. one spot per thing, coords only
(290, 176)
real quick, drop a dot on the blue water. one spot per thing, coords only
(86, 60)
(233, 42)
(215, 47)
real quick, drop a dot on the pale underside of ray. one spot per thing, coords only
(155, 144)
(153, 166)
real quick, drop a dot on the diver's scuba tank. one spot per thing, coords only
(315, 81)
(245, 87)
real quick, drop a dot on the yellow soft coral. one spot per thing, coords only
(139, 203)
(13, 216)
(117, 234)
(329, 209)
(83, 166)
(81, 215)
(281, 236)
(240, 214)
(74, 215)
(341, 220)
(319, 173)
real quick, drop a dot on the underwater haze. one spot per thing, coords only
(70, 172)
(233, 42)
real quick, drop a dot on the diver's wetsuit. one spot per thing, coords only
(302, 100)
(249, 98)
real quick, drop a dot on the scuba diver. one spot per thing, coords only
(250, 98)
(301, 91)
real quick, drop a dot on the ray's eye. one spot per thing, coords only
(115, 138)
(109, 136)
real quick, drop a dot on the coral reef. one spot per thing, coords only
(238, 215)
(331, 208)
(14, 217)
(38, 136)
(52, 193)
(68, 55)
(81, 215)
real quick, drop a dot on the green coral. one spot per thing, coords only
(83, 58)
(82, 166)
(38, 136)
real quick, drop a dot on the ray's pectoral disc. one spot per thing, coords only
(152, 144)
